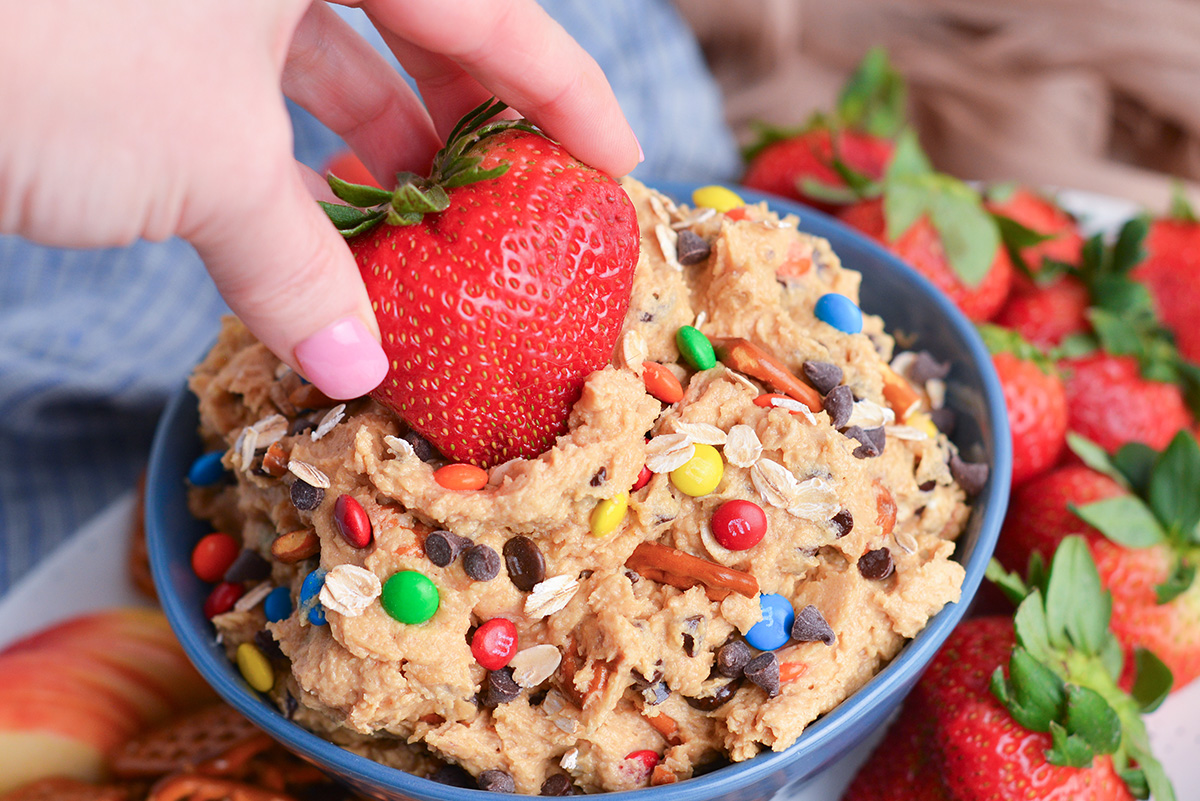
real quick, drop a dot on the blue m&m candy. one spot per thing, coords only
(775, 627)
(309, 604)
(207, 470)
(277, 605)
(840, 312)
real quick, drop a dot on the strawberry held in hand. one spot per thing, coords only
(499, 283)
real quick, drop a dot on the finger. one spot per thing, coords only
(292, 280)
(339, 78)
(525, 58)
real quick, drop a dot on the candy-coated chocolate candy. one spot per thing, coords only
(647, 757)
(310, 588)
(608, 514)
(461, 476)
(222, 598)
(643, 478)
(739, 524)
(840, 312)
(277, 605)
(701, 474)
(352, 521)
(717, 197)
(661, 382)
(207, 470)
(775, 627)
(695, 347)
(410, 597)
(494, 643)
(255, 668)
(213, 555)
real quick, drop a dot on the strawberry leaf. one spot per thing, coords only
(1174, 491)
(1068, 750)
(1091, 718)
(1033, 694)
(1135, 782)
(1136, 461)
(1125, 520)
(1181, 208)
(1177, 583)
(1010, 583)
(1095, 457)
(359, 195)
(1077, 606)
(1129, 251)
(840, 195)
(1031, 626)
(874, 99)
(349, 220)
(1153, 680)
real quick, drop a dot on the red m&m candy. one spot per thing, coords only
(739, 525)
(213, 555)
(352, 521)
(494, 643)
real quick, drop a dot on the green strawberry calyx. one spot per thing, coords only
(1063, 672)
(1162, 506)
(1006, 340)
(415, 196)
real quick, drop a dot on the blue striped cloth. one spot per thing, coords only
(92, 343)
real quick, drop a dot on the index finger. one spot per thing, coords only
(519, 53)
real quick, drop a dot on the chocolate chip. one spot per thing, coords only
(248, 566)
(453, 775)
(558, 784)
(926, 368)
(656, 693)
(497, 781)
(305, 496)
(443, 547)
(645, 317)
(843, 523)
(525, 563)
(872, 439)
(971, 476)
(945, 419)
(265, 641)
(763, 670)
(732, 658)
(721, 694)
(824, 376)
(640, 680)
(927, 486)
(290, 705)
(693, 633)
(300, 425)
(839, 403)
(501, 688)
(691, 248)
(422, 447)
(876, 565)
(599, 477)
(810, 626)
(481, 562)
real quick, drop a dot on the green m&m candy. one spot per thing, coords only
(695, 347)
(410, 597)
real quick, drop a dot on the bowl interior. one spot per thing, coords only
(908, 303)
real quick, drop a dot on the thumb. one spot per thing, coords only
(291, 279)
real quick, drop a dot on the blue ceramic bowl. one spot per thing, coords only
(905, 300)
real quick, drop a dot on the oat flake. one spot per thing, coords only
(634, 351)
(660, 211)
(869, 414)
(814, 499)
(695, 217)
(742, 447)
(253, 597)
(549, 596)
(795, 406)
(308, 474)
(349, 590)
(774, 482)
(906, 432)
(701, 433)
(701, 319)
(534, 665)
(400, 448)
(247, 444)
(331, 419)
(668, 452)
(935, 388)
(570, 759)
(666, 243)
(270, 430)
(906, 541)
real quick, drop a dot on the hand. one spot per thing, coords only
(141, 119)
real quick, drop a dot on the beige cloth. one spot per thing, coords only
(1100, 95)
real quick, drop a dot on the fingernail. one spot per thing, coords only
(343, 359)
(641, 153)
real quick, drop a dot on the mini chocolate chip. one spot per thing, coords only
(558, 784)
(732, 658)
(721, 694)
(927, 486)
(824, 376)
(305, 496)
(248, 566)
(290, 705)
(945, 419)
(695, 627)
(656, 693)
(525, 563)
(599, 477)
(925, 367)
(876, 565)
(645, 317)
(481, 562)
(810, 626)
(641, 682)
(971, 476)
(689, 644)
(839, 403)
(497, 781)
(300, 425)
(422, 447)
(691, 248)
(265, 641)
(763, 670)
(443, 547)
(501, 688)
(453, 775)
(871, 439)
(843, 523)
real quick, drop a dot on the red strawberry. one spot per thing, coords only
(1110, 403)
(1045, 315)
(901, 768)
(1170, 271)
(923, 248)
(1035, 399)
(1042, 216)
(500, 284)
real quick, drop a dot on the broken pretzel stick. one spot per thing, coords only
(679, 569)
(746, 357)
(899, 394)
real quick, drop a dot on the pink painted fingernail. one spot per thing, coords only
(343, 359)
(641, 153)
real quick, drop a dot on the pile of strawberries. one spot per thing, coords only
(1096, 344)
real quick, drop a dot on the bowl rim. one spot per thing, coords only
(903, 669)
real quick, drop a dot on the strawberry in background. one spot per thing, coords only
(1171, 271)
(1026, 707)
(1137, 511)
(834, 159)
(347, 166)
(938, 226)
(1035, 399)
